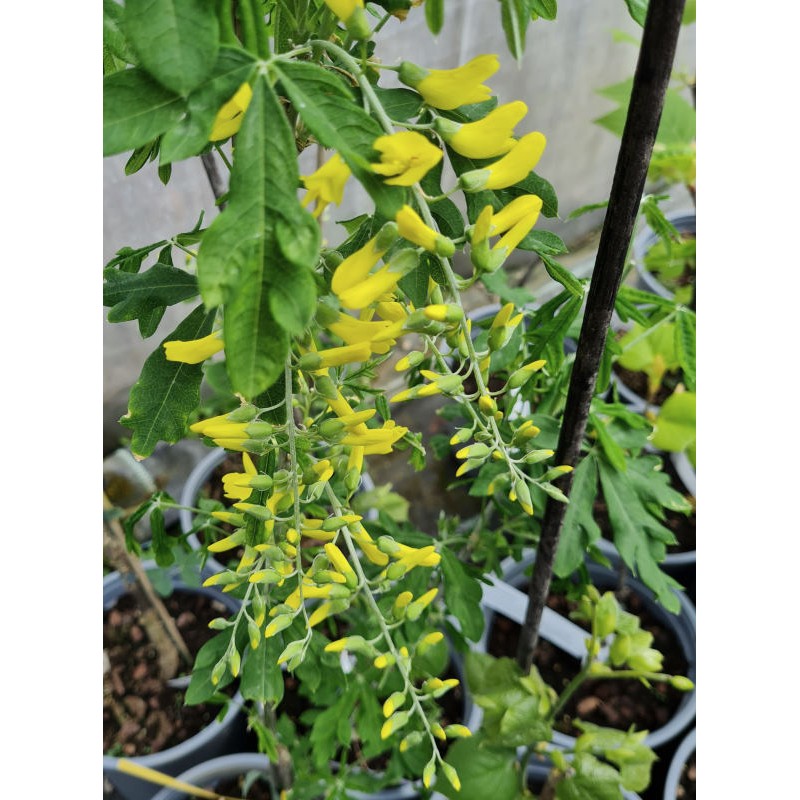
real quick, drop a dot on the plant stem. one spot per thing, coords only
(650, 82)
(214, 178)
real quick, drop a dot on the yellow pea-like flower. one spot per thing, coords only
(229, 117)
(411, 226)
(450, 88)
(351, 13)
(488, 137)
(405, 157)
(357, 266)
(194, 351)
(513, 167)
(326, 185)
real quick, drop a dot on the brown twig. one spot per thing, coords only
(650, 83)
(161, 626)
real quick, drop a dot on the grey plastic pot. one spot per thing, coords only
(209, 774)
(505, 596)
(685, 222)
(682, 754)
(191, 491)
(215, 740)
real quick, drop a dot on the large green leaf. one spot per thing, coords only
(676, 425)
(401, 105)
(262, 676)
(114, 40)
(136, 109)
(145, 295)
(462, 595)
(190, 135)
(638, 536)
(176, 40)
(330, 112)
(167, 392)
(590, 779)
(686, 345)
(248, 261)
(483, 771)
(579, 530)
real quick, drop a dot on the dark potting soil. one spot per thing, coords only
(637, 382)
(141, 714)
(260, 789)
(687, 785)
(611, 703)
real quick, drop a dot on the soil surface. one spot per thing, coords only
(686, 787)
(611, 703)
(141, 714)
(637, 382)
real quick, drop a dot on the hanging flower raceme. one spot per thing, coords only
(411, 227)
(229, 117)
(488, 137)
(351, 13)
(450, 88)
(194, 351)
(355, 268)
(326, 185)
(513, 167)
(405, 157)
(515, 221)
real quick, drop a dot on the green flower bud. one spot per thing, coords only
(259, 430)
(606, 615)
(386, 544)
(681, 683)
(326, 387)
(244, 413)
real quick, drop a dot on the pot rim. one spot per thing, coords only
(687, 746)
(683, 626)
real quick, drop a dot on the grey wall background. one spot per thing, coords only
(566, 61)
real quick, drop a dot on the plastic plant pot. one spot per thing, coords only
(210, 774)
(685, 223)
(508, 597)
(679, 761)
(214, 740)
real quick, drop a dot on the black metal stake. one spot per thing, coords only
(650, 82)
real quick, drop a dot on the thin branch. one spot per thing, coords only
(214, 178)
(650, 83)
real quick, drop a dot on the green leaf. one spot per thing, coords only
(262, 677)
(484, 771)
(434, 15)
(611, 450)
(462, 595)
(497, 283)
(675, 427)
(514, 17)
(176, 40)
(145, 295)
(543, 243)
(689, 12)
(633, 528)
(563, 276)
(653, 485)
(400, 104)
(581, 210)
(161, 544)
(638, 10)
(136, 110)
(248, 259)
(686, 345)
(167, 392)
(536, 184)
(590, 780)
(190, 136)
(546, 9)
(200, 687)
(415, 283)
(328, 109)
(579, 531)
(113, 37)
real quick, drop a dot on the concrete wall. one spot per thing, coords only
(565, 62)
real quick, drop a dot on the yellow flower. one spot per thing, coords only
(237, 484)
(229, 117)
(515, 221)
(379, 284)
(411, 227)
(355, 268)
(450, 88)
(488, 137)
(513, 167)
(376, 441)
(195, 350)
(351, 13)
(354, 331)
(326, 185)
(335, 357)
(405, 157)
